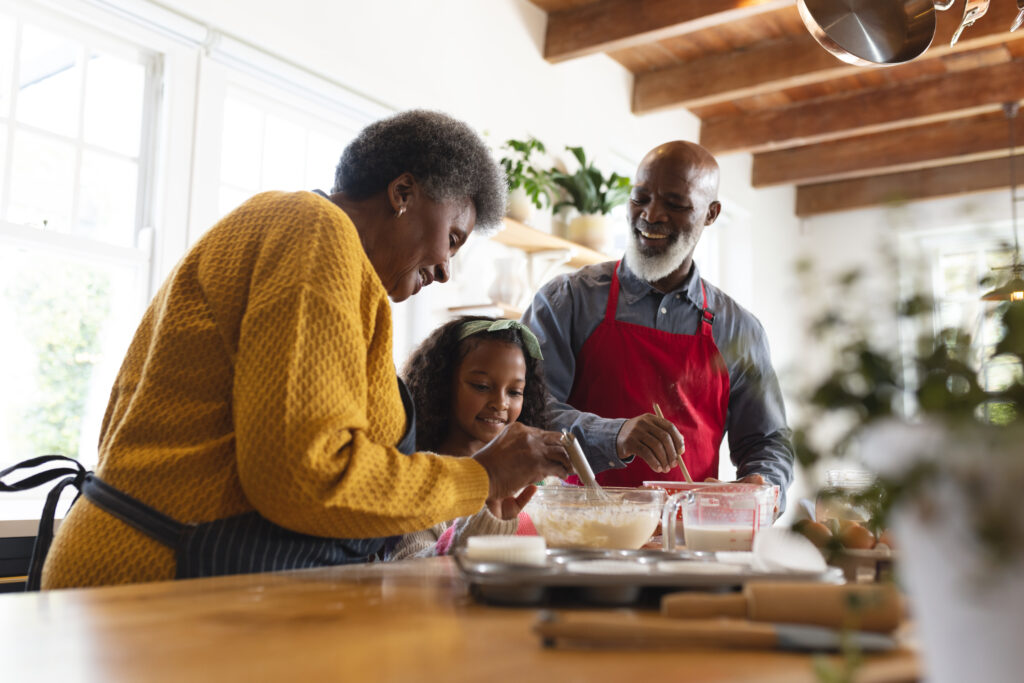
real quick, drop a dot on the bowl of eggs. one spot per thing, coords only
(851, 546)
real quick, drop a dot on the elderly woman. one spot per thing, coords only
(257, 422)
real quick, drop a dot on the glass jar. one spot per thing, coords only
(834, 501)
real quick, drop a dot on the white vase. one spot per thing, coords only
(969, 613)
(592, 230)
(509, 287)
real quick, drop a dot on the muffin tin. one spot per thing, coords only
(613, 577)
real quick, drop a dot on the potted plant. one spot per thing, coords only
(593, 195)
(947, 449)
(530, 187)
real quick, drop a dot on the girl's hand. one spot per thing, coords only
(509, 508)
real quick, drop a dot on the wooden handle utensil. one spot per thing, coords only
(679, 456)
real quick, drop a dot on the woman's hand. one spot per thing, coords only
(653, 439)
(516, 458)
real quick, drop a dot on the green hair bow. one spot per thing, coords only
(530, 342)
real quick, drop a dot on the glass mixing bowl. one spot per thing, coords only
(576, 517)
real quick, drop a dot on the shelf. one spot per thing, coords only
(494, 310)
(530, 240)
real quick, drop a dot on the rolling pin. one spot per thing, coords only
(877, 608)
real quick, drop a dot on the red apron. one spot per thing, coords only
(623, 369)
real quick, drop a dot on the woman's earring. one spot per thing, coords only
(400, 212)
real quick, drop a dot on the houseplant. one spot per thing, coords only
(593, 195)
(948, 452)
(530, 187)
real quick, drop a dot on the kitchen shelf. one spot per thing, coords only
(530, 240)
(496, 310)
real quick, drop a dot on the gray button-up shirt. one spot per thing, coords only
(567, 310)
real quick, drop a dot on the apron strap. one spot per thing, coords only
(707, 316)
(132, 511)
(613, 294)
(44, 537)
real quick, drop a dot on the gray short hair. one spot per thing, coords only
(447, 157)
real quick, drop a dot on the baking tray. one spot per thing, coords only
(639, 576)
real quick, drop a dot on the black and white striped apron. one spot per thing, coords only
(242, 544)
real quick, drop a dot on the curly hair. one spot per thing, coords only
(430, 370)
(447, 157)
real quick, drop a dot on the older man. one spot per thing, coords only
(619, 337)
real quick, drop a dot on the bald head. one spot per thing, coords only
(674, 197)
(693, 163)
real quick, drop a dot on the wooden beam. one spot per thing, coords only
(793, 61)
(932, 144)
(897, 188)
(935, 98)
(616, 24)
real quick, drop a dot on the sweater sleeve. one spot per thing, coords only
(301, 403)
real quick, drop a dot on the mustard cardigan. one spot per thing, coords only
(261, 377)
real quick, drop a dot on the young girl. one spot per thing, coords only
(469, 379)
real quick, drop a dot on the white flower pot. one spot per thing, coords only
(520, 207)
(968, 612)
(592, 230)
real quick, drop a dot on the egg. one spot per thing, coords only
(856, 537)
(886, 538)
(816, 532)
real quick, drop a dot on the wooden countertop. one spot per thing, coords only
(404, 621)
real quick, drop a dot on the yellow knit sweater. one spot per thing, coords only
(261, 377)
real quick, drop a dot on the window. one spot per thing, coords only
(270, 146)
(959, 275)
(76, 121)
(959, 261)
(126, 130)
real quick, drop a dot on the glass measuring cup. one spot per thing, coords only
(716, 520)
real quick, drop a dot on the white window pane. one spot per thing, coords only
(49, 81)
(42, 182)
(959, 274)
(3, 153)
(229, 198)
(106, 205)
(322, 156)
(114, 94)
(68, 324)
(241, 148)
(6, 63)
(284, 155)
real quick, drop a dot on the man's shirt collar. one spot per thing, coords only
(632, 288)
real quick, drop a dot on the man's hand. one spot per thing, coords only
(749, 479)
(653, 439)
(516, 458)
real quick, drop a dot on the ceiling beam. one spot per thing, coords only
(896, 188)
(932, 144)
(617, 24)
(793, 61)
(934, 98)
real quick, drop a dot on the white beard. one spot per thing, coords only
(658, 267)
